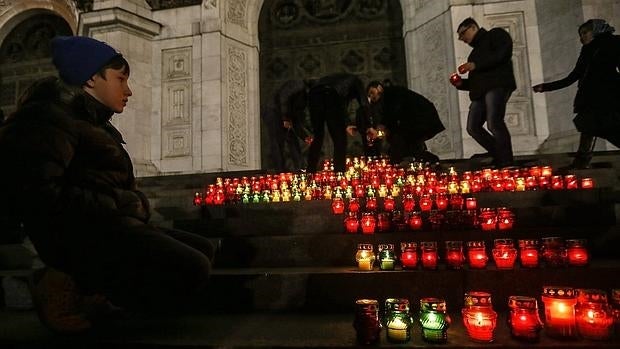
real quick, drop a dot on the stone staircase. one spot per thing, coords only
(285, 274)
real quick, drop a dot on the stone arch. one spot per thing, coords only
(25, 31)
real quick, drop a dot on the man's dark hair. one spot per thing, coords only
(117, 63)
(588, 26)
(467, 22)
(373, 83)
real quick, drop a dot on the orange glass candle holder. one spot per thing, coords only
(477, 254)
(479, 317)
(409, 255)
(523, 319)
(587, 183)
(504, 253)
(593, 315)
(559, 302)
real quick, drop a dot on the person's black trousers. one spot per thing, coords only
(327, 108)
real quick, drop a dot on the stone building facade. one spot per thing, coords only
(201, 68)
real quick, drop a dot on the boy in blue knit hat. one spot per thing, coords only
(90, 224)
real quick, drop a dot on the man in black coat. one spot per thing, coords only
(328, 103)
(72, 186)
(407, 120)
(284, 119)
(491, 81)
(597, 102)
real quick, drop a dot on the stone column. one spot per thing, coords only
(127, 26)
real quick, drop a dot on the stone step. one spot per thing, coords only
(254, 330)
(330, 250)
(335, 289)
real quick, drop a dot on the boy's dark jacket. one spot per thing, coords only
(65, 168)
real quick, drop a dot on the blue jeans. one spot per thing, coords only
(491, 109)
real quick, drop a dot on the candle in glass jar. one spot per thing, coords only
(386, 256)
(388, 203)
(520, 184)
(384, 221)
(351, 224)
(368, 223)
(426, 204)
(415, 221)
(429, 254)
(337, 206)
(471, 204)
(399, 322)
(528, 253)
(479, 317)
(587, 183)
(488, 219)
(409, 255)
(523, 320)
(504, 253)
(365, 257)
(434, 320)
(442, 202)
(477, 255)
(559, 305)
(367, 325)
(454, 254)
(576, 252)
(593, 314)
(570, 182)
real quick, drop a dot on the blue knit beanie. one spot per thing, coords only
(78, 58)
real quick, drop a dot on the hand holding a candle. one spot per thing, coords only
(456, 80)
(466, 67)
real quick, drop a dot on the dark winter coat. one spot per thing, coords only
(69, 172)
(597, 74)
(492, 55)
(410, 114)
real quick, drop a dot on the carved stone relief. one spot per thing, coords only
(237, 10)
(237, 107)
(432, 64)
(210, 4)
(176, 102)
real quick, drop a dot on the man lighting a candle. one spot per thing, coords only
(491, 81)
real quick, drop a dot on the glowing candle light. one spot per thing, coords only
(587, 183)
(409, 255)
(593, 315)
(528, 253)
(559, 305)
(504, 253)
(398, 322)
(523, 320)
(478, 316)
(415, 221)
(337, 206)
(368, 223)
(429, 254)
(365, 257)
(387, 257)
(351, 223)
(471, 204)
(576, 252)
(434, 320)
(476, 254)
(454, 254)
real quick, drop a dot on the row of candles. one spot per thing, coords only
(569, 313)
(554, 252)
(369, 222)
(376, 177)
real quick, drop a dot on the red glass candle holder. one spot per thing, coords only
(528, 253)
(478, 316)
(471, 204)
(351, 223)
(477, 254)
(198, 199)
(488, 219)
(399, 222)
(593, 315)
(408, 203)
(523, 319)
(504, 253)
(415, 221)
(384, 222)
(409, 255)
(531, 183)
(587, 183)
(577, 253)
(429, 255)
(337, 206)
(366, 324)
(535, 171)
(354, 205)
(442, 202)
(454, 254)
(426, 203)
(505, 218)
(570, 182)
(368, 223)
(371, 204)
(553, 251)
(557, 183)
(615, 306)
(388, 203)
(559, 305)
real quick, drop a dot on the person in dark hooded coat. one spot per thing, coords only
(71, 184)
(407, 121)
(597, 102)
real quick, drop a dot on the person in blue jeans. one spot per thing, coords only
(490, 83)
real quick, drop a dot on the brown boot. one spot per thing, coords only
(57, 300)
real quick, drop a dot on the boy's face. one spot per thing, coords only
(375, 93)
(113, 91)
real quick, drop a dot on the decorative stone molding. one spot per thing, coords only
(237, 10)
(210, 4)
(237, 77)
(176, 121)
